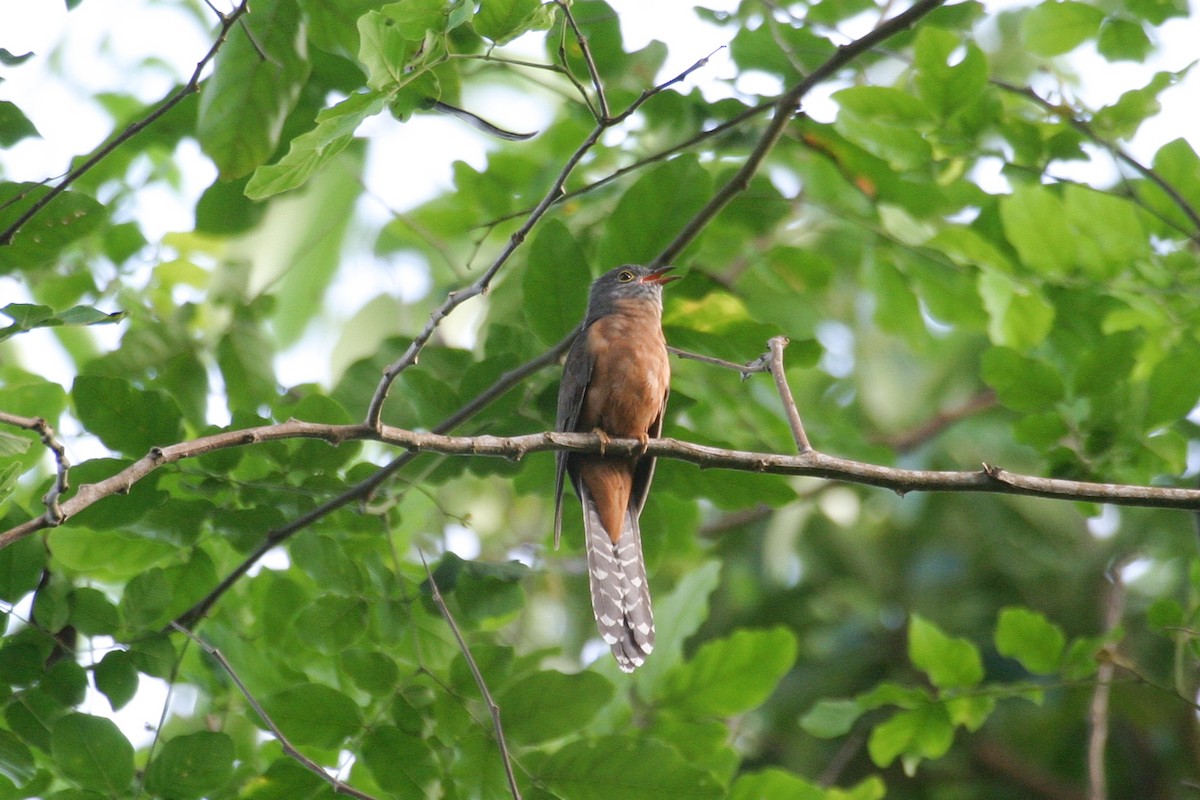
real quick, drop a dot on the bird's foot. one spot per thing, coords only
(644, 438)
(604, 440)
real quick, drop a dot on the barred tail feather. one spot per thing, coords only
(620, 590)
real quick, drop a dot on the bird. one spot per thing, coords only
(615, 383)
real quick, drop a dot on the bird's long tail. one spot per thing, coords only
(620, 591)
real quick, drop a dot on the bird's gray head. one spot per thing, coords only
(630, 282)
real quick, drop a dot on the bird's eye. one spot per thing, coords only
(625, 276)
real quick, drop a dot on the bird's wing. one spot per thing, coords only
(643, 473)
(577, 373)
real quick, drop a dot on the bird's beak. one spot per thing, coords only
(660, 276)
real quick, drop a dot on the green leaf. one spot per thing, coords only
(1054, 28)
(91, 612)
(653, 210)
(331, 623)
(14, 125)
(371, 671)
(21, 565)
(116, 677)
(1174, 385)
(555, 284)
(951, 663)
(68, 218)
(1123, 40)
(385, 51)
(92, 753)
(1021, 383)
(191, 766)
(504, 20)
(948, 80)
(28, 317)
(16, 760)
(401, 763)
(126, 419)
(920, 733)
(686, 607)
(147, 599)
(622, 766)
(776, 784)
(830, 718)
(733, 675)
(547, 705)
(1122, 119)
(1019, 316)
(314, 714)
(1031, 639)
(256, 82)
(310, 151)
(1033, 216)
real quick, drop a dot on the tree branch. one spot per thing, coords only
(493, 708)
(288, 747)
(989, 478)
(193, 85)
(777, 344)
(54, 513)
(785, 109)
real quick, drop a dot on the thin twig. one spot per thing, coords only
(193, 85)
(368, 485)
(493, 708)
(481, 286)
(288, 747)
(586, 51)
(62, 482)
(745, 370)
(785, 110)
(1114, 605)
(777, 343)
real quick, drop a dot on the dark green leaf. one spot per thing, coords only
(310, 713)
(731, 676)
(191, 766)
(14, 125)
(653, 210)
(16, 760)
(555, 284)
(504, 20)
(92, 613)
(1123, 40)
(548, 705)
(126, 419)
(599, 769)
(331, 623)
(1022, 384)
(21, 566)
(92, 753)
(68, 218)
(256, 81)
(400, 762)
(117, 678)
(371, 671)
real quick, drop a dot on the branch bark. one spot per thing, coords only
(989, 478)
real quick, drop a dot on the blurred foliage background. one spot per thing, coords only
(971, 266)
